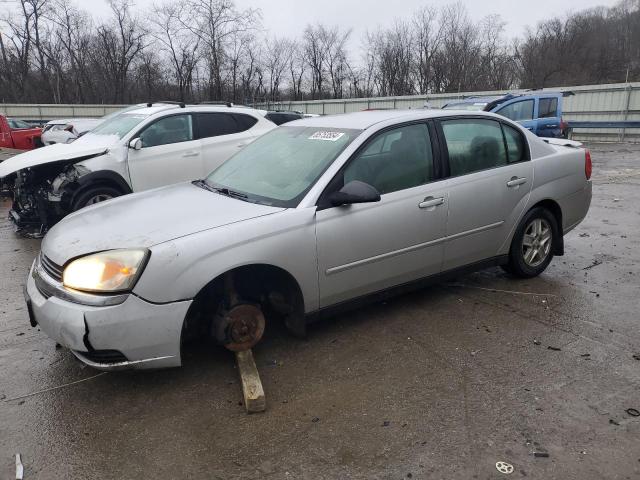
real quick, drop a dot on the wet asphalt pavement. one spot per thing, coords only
(442, 383)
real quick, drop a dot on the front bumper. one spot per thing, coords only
(146, 334)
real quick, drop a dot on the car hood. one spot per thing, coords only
(145, 219)
(60, 152)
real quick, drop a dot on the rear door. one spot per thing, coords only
(369, 247)
(521, 111)
(489, 185)
(221, 135)
(548, 117)
(169, 154)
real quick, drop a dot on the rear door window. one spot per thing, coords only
(548, 108)
(518, 111)
(216, 124)
(474, 145)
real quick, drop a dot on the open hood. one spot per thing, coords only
(60, 152)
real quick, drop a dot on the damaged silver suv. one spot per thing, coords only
(312, 217)
(142, 147)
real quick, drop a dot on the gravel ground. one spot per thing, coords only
(442, 383)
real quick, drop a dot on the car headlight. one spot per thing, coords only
(111, 271)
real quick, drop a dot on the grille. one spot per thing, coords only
(52, 269)
(105, 356)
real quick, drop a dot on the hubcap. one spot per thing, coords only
(98, 198)
(536, 242)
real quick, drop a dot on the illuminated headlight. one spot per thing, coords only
(106, 272)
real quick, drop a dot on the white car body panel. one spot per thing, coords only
(54, 131)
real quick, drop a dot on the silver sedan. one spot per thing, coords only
(314, 217)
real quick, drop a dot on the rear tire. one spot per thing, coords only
(533, 243)
(94, 195)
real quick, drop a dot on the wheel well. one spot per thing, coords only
(556, 211)
(273, 288)
(97, 181)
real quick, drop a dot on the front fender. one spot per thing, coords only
(180, 268)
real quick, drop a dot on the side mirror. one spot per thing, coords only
(136, 143)
(355, 192)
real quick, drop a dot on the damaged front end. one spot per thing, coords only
(42, 195)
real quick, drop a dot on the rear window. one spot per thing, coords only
(548, 108)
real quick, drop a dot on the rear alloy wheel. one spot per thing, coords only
(532, 245)
(94, 195)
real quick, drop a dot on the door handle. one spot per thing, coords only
(242, 145)
(431, 202)
(515, 182)
(190, 154)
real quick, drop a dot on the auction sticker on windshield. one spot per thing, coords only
(330, 136)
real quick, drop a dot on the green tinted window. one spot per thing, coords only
(281, 166)
(173, 129)
(395, 160)
(474, 145)
(515, 144)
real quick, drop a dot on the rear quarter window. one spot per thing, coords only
(517, 149)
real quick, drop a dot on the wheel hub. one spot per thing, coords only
(536, 242)
(241, 327)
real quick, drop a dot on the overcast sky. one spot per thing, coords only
(289, 17)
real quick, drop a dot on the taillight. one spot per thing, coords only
(587, 163)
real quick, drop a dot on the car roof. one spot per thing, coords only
(163, 107)
(504, 98)
(366, 119)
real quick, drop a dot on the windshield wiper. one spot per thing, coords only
(221, 190)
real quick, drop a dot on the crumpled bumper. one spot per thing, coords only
(146, 335)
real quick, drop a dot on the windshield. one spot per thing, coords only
(119, 125)
(475, 107)
(17, 124)
(280, 167)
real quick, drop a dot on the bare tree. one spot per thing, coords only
(214, 22)
(120, 44)
(178, 43)
(51, 51)
(278, 53)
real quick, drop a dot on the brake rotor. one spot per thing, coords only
(243, 327)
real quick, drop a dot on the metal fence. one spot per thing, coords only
(613, 102)
(54, 111)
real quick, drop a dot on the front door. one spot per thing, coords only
(370, 247)
(169, 154)
(491, 177)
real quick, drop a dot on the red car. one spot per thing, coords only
(18, 134)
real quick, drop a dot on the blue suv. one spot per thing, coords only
(539, 112)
